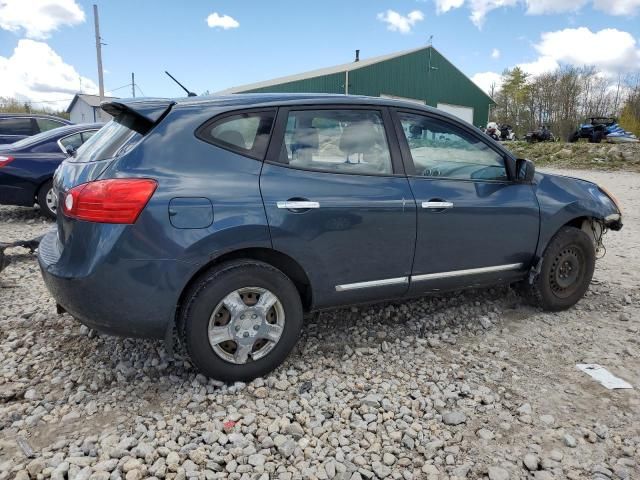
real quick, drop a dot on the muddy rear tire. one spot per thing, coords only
(566, 272)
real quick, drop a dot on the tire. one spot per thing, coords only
(46, 200)
(574, 137)
(598, 137)
(557, 287)
(242, 285)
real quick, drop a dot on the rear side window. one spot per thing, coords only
(246, 133)
(341, 141)
(16, 126)
(111, 141)
(47, 124)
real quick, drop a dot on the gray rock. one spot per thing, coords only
(454, 418)
(380, 469)
(570, 441)
(498, 473)
(531, 462)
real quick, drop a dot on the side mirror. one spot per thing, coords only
(71, 151)
(525, 170)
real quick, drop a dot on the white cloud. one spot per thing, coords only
(618, 7)
(35, 72)
(443, 6)
(486, 80)
(480, 8)
(577, 47)
(399, 23)
(541, 7)
(610, 50)
(542, 65)
(38, 18)
(224, 22)
(495, 53)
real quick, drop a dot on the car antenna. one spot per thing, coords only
(189, 94)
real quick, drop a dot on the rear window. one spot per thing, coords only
(48, 124)
(111, 141)
(16, 126)
(246, 133)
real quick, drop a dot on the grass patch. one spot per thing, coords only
(580, 155)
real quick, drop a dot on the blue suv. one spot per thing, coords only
(224, 220)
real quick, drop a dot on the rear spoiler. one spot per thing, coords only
(139, 115)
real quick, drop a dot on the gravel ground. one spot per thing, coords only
(474, 385)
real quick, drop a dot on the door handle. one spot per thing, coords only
(298, 204)
(437, 205)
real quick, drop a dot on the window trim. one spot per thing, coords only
(59, 141)
(255, 149)
(508, 159)
(277, 137)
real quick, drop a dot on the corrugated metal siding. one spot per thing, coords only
(406, 76)
(326, 84)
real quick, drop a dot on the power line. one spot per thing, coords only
(138, 87)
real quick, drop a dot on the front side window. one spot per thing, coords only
(47, 124)
(245, 133)
(441, 149)
(343, 141)
(16, 126)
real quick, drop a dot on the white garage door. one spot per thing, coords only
(465, 113)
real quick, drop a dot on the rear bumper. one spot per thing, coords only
(131, 298)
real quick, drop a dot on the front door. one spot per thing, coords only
(475, 224)
(338, 203)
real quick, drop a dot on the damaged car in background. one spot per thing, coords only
(222, 221)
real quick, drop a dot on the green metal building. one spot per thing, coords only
(422, 75)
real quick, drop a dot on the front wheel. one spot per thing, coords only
(240, 320)
(567, 268)
(47, 200)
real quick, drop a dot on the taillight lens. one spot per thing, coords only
(5, 160)
(117, 200)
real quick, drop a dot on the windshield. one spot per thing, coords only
(110, 141)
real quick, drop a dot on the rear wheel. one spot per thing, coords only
(240, 320)
(47, 200)
(566, 272)
(574, 137)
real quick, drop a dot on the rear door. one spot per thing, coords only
(475, 224)
(338, 202)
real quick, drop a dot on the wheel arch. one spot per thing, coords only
(279, 260)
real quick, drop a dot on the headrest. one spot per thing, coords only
(304, 138)
(358, 137)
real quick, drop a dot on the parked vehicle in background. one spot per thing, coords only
(16, 126)
(506, 133)
(27, 166)
(493, 131)
(225, 219)
(598, 129)
(542, 134)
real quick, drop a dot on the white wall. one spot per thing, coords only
(460, 111)
(82, 112)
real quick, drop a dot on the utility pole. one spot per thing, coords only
(133, 85)
(98, 51)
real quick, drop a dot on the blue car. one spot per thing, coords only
(27, 166)
(224, 220)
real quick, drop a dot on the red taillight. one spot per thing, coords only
(5, 160)
(117, 200)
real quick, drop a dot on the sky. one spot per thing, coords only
(47, 47)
